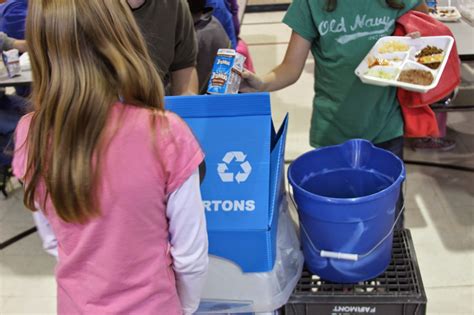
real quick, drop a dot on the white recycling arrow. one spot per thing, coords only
(227, 177)
(240, 156)
(229, 156)
(222, 167)
(246, 167)
(241, 177)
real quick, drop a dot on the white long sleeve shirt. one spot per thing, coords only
(189, 244)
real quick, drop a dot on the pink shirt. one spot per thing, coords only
(120, 263)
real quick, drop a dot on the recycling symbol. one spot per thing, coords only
(229, 177)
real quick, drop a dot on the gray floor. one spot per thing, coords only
(440, 202)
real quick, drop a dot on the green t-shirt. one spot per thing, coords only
(344, 107)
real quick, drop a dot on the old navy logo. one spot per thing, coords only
(354, 309)
(335, 26)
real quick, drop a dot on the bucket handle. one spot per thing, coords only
(345, 256)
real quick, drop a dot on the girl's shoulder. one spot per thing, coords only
(134, 119)
(133, 113)
(23, 126)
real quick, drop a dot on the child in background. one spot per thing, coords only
(222, 12)
(233, 6)
(116, 175)
(211, 37)
(167, 26)
(339, 35)
(13, 17)
(227, 12)
(7, 43)
(437, 144)
(12, 22)
(12, 107)
(243, 49)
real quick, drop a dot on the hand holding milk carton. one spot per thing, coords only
(226, 73)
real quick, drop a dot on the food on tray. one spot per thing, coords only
(430, 56)
(445, 12)
(432, 62)
(377, 62)
(372, 61)
(415, 76)
(393, 46)
(381, 74)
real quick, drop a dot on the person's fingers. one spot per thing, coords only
(245, 87)
(250, 82)
(249, 75)
(246, 74)
(414, 35)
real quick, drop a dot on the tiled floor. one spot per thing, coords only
(440, 202)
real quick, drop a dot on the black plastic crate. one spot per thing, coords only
(398, 291)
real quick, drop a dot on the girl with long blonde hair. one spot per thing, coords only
(114, 173)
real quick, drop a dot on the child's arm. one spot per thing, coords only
(7, 43)
(20, 44)
(285, 74)
(46, 233)
(185, 82)
(422, 7)
(188, 239)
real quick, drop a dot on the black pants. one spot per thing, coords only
(395, 146)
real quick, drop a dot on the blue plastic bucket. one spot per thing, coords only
(346, 197)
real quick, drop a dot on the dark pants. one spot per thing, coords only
(395, 146)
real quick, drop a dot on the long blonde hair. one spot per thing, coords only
(85, 56)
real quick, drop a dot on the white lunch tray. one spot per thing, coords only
(407, 62)
(453, 16)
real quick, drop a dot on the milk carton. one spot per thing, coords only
(11, 59)
(226, 73)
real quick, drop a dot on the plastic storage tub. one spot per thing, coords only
(230, 291)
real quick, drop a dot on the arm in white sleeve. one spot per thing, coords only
(188, 239)
(50, 243)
